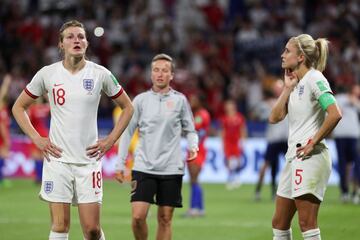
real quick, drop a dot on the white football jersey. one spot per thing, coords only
(304, 111)
(74, 101)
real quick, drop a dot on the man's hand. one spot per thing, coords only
(119, 176)
(192, 154)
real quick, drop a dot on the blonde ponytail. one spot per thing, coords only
(315, 51)
(322, 47)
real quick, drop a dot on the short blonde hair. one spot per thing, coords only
(163, 56)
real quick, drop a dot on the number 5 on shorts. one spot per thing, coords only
(298, 176)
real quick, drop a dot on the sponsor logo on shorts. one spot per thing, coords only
(133, 186)
(296, 189)
(48, 186)
(97, 192)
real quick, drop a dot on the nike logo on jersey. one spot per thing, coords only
(58, 84)
(295, 189)
(96, 192)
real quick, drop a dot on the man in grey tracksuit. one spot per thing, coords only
(162, 115)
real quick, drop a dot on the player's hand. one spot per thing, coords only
(99, 149)
(119, 176)
(192, 154)
(305, 152)
(47, 147)
(290, 78)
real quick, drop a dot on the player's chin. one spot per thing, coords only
(77, 54)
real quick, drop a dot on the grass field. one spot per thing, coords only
(229, 215)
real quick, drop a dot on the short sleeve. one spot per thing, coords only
(319, 85)
(111, 86)
(36, 87)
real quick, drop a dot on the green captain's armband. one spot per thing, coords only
(326, 100)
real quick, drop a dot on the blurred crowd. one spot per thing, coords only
(223, 48)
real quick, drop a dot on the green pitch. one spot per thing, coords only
(229, 215)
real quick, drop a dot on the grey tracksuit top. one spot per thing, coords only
(161, 120)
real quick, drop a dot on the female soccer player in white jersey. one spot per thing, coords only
(72, 172)
(313, 113)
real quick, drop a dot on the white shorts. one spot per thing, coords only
(71, 183)
(308, 176)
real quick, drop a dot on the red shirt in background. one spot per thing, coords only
(202, 125)
(39, 117)
(231, 126)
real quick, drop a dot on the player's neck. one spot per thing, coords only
(161, 90)
(74, 64)
(301, 71)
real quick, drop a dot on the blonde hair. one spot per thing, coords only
(71, 23)
(163, 56)
(315, 51)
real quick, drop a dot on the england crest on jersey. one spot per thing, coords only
(88, 84)
(301, 90)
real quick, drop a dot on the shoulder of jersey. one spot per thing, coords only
(52, 66)
(317, 75)
(50, 69)
(179, 94)
(142, 95)
(96, 66)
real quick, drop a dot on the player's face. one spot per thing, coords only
(290, 58)
(161, 74)
(230, 107)
(74, 42)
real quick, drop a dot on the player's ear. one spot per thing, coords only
(301, 58)
(172, 76)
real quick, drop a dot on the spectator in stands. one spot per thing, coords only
(313, 113)
(72, 172)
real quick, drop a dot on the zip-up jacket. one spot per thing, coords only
(162, 119)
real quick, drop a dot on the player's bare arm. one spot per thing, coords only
(19, 112)
(99, 149)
